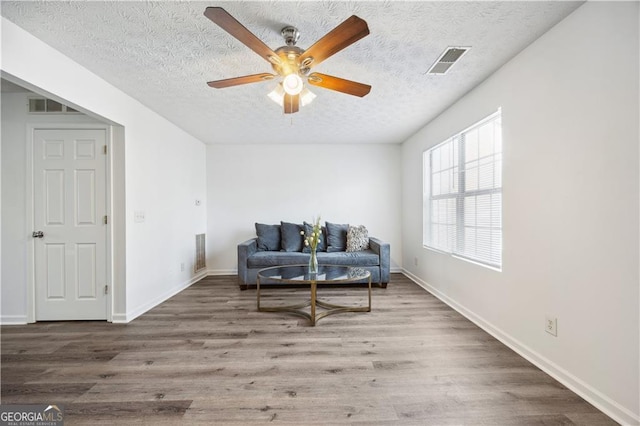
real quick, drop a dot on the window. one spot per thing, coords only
(463, 193)
(44, 105)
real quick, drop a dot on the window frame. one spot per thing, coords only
(455, 242)
(64, 109)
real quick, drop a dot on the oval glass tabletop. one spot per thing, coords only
(325, 274)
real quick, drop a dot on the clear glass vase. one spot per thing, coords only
(313, 263)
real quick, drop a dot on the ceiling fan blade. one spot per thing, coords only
(228, 23)
(291, 103)
(345, 34)
(338, 84)
(236, 81)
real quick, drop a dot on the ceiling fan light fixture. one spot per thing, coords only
(277, 95)
(306, 97)
(292, 84)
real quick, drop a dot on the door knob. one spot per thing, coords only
(37, 234)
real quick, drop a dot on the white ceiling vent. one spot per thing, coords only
(447, 59)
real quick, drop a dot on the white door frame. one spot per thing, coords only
(31, 284)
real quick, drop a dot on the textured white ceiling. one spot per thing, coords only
(163, 53)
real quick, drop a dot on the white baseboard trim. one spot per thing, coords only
(396, 270)
(131, 315)
(605, 404)
(119, 318)
(216, 272)
(13, 320)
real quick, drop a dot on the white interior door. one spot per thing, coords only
(69, 190)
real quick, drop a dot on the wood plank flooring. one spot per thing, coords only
(207, 356)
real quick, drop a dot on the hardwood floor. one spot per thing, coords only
(207, 356)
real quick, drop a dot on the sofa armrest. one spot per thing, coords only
(245, 249)
(384, 251)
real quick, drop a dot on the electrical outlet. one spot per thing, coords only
(551, 325)
(182, 267)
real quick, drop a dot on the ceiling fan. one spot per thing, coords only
(292, 63)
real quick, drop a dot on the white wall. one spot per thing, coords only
(256, 183)
(164, 173)
(571, 194)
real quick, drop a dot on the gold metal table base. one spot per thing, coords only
(313, 302)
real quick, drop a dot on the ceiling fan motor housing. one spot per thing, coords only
(289, 60)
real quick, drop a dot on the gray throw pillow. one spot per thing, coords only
(336, 236)
(357, 238)
(322, 242)
(291, 237)
(268, 237)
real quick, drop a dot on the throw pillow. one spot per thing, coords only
(357, 238)
(322, 242)
(336, 237)
(291, 237)
(268, 237)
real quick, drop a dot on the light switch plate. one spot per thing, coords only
(138, 216)
(551, 325)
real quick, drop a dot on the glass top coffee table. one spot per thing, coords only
(299, 274)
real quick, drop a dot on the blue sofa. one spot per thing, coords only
(278, 245)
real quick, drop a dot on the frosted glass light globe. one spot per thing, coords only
(292, 84)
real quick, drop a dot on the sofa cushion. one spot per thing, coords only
(264, 259)
(291, 239)
(336, 237)
(268, 237)
(322, 242)
(356, 258)
(357, 238)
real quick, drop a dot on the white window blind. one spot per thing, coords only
(463, 193)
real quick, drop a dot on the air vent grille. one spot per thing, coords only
(201, 256)
(450, 56)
